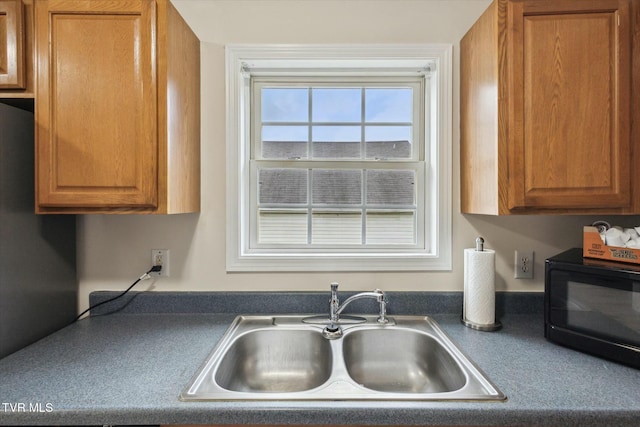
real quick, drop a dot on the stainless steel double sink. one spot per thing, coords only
(287, 358)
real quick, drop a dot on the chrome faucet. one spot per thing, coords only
(333, 329)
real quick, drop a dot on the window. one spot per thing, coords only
(338, 158)
(336, 163)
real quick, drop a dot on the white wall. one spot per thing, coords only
(115, 250)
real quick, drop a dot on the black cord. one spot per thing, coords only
(155, 268)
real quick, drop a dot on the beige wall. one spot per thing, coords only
(115, 250)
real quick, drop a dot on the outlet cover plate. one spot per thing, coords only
(524, 265)
(160, 257)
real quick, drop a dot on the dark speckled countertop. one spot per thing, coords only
(129, 367)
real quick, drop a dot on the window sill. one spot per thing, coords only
(339, 262)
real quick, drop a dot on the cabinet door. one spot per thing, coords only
(12, 72)
(569, 115)
(96, 125)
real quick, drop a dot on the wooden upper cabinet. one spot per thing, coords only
(16, 48)
(546, 108)
(11, 45)
(110, 138)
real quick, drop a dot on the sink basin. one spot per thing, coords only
(420, 363)
(272, 360)
(287, 358)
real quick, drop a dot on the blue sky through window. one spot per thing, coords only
(337, 105)
(388, 105)
(285, 105)
(388, 114)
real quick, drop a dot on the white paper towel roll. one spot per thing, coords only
(479, 304)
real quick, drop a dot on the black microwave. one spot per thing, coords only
(593, 306)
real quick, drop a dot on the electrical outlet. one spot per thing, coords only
(160, 257)
(524, 265)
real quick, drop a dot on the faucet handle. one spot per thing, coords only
(334, 304)
(383, 299)
(334, 295)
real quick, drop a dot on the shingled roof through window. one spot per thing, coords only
(333, 186)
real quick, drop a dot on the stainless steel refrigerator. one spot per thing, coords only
(38, 285)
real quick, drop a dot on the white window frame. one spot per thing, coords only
(242, 61)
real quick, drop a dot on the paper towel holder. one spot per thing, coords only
(479, 244)
(480, 327)
(485, 328)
